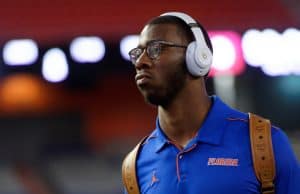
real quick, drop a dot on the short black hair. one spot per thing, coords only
(183, 28)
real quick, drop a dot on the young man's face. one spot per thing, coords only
(161, 78)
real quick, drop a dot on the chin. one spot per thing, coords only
(157, 100)
(159, 97)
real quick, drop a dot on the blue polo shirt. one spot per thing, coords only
(216, 161)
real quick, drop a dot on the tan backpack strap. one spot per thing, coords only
(262, 152)
(129, 170)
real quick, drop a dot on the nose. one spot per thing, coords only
(143, 61)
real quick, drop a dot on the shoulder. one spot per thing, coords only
(238, 122)
(147, 141)
(283, 151)
(287, 165)
(238, 118)
(281, 144)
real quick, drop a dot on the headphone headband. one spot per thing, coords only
(198, 34)
(186, 18)
(198, 55)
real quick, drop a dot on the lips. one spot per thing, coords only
(142, 78)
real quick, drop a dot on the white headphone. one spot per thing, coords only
(198, 55)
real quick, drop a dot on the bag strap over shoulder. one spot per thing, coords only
(129, 176)
(262, 152)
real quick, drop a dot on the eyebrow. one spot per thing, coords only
(149, 42)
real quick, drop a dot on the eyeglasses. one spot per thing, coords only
(153, 50)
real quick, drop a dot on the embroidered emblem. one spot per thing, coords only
(223, 162)
(154, 179)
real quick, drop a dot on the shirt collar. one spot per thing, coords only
(211, 131)
(214, 125)
(159, 135)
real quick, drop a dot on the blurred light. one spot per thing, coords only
(252, 50)
(55, 67)
(227, 56)
(127, 43)
(87, 49)
(224, 53)
(273, 60)
(277, 54)
(20, 52)
(291, 48)
(22, 92)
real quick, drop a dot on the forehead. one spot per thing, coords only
(166, 32)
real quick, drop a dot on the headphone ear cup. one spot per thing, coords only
(198, 59)
(190, 60)
(203, 57)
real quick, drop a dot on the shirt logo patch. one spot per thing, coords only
(223, 162)
(154, 179)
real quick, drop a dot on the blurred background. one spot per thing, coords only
(69, 107)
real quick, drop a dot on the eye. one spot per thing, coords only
(134, 54)
(154, 50)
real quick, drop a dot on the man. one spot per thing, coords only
(200, 145)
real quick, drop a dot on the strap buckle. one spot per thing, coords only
(268, 188)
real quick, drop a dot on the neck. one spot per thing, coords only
(183, 117)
